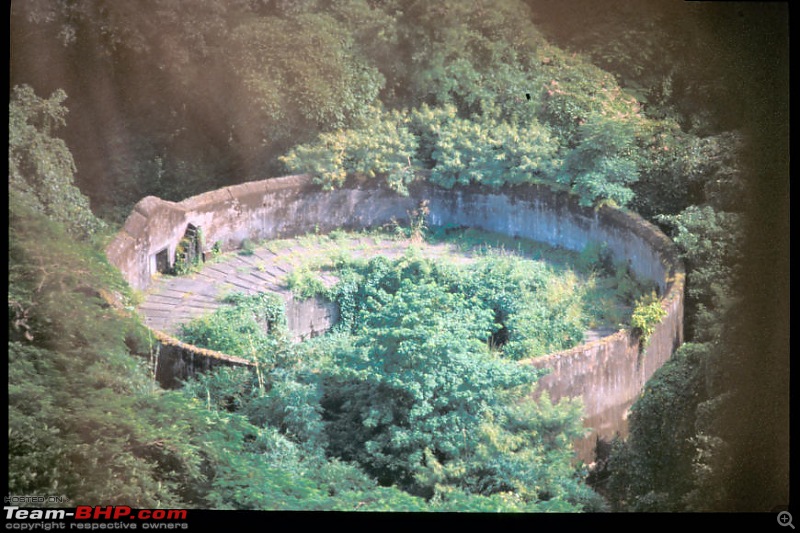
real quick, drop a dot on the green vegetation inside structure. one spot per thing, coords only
(417, 384)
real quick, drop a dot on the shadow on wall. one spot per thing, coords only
(608, 374)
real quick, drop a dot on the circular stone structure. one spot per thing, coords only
(608, 374)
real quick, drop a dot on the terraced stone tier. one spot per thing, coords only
(175, 300)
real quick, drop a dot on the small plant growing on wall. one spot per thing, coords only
(248, 247)
(182, 265)
(185, 257)
(597, 257)
(418, 221)
(647, 314)
(189, 252)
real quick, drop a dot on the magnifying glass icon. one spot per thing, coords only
(785, 519)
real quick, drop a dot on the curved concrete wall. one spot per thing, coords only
(607, 374)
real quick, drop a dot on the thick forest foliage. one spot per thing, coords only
(408, 388)
(677, 111)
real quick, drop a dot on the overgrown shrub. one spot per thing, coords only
(647, 314)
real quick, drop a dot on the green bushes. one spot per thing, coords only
(535, 309)
(40, 166)
(647, 314)
(253, 327)
(466, 121)
(417, 387)
(395, 146)
(381, 146)
(247, 247)
(483, 150)
(305, 283)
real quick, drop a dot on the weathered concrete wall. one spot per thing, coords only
(154, 225)
(607, 374)
(269, 209)
(539, 214)
(175, 360)
(310, 317)
(610, 373)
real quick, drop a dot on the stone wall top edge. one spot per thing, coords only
(119, 243)
(169, 340)
(147, 209)
(296, 181)
(544, 360)
(150, 204)
(135, 223)
(659, 241)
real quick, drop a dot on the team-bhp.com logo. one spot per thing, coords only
(87, 517)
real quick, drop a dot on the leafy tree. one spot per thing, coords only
(303, 73)
(381, 146)
(394, 401)
(681, 60)
(419, 398)
(472, 56)
(192, 95)
(137, 93)
(396, 146)
(539, 309)
(40, 166)
(482, 151)
(252, 327)
(710, 243)
(80, 422)
(410, 393)
(714, 170)
(522, 453)
(477, 65)
(601, 166)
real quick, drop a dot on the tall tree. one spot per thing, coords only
(41, 170)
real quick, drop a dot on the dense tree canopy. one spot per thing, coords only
(411, 388)
(40, 166)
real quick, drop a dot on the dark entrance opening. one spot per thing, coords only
(162, 261)
(499, 338)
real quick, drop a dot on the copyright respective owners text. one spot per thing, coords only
(26, 516)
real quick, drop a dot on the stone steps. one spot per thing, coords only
(173, 301)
